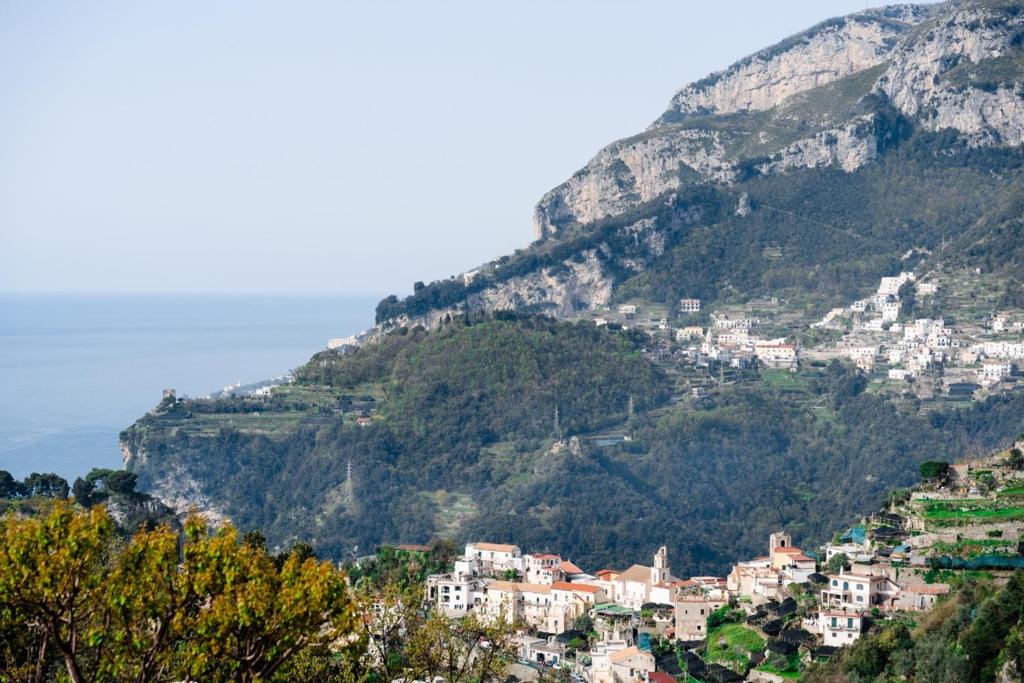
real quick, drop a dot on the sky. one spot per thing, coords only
(327, 147)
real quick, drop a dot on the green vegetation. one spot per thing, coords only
(953, 512)
(977, 634)
(460, 446)
(788, 667)
(934, 471)
(732, 644)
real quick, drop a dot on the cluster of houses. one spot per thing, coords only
(969, 356)
(551, 599)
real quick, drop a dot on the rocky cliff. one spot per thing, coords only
(814, 100)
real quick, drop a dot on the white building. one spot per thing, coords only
(774, 353)
(455, 595)
(840, 627)
(996, 370)
(691, 332)
(857, 591)
(689, 305)
(495, 558)
(542, 568)
(614, 662)
(890, 311)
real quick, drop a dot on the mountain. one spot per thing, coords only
(788, 184)
(833, 135)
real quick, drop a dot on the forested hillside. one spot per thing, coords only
(459, 442)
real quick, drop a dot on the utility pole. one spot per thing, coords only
(350, 496)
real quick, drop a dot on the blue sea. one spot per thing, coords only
(77, 369)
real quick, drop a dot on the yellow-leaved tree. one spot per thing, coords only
(205, 607)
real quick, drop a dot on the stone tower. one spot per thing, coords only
(660, 571)
(780, 539)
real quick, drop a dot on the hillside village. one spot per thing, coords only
(940, 336)
(771, 615)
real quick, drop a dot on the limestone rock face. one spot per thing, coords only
(632, 171)
(800, 104)
(943, 77)
(820, 55)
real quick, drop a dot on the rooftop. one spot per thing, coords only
(575, 587)
(631, 651)
(495, 547)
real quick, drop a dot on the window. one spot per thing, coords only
(860, 598)
(833, 622)
(702, 612)
(835, 582)
(849, 635)
(846, 585)
(849, 622)
(860, 586)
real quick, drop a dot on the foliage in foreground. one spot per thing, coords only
(76, 602)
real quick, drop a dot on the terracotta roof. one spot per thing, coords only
(789, 551)
(510, 586)
(605, 572)
(801, 558)
(495, 547)
(575, 587)
(545, 556)
(631, 651)
(569, 568)
(638, 573)
(660, 677)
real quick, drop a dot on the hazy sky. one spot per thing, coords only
(323, 146)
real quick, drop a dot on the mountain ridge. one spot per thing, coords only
(802, 206)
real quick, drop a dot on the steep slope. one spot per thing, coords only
(869, 100)
(951, 66)
(876, 143)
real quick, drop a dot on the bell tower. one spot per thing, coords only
(660, 571)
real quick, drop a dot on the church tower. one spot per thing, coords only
(780, 539)
(660, 571)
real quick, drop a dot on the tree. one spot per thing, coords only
(9, 486)
(212, 608)
(52, 572)
(468, 649)
(84, 490)
(934, 470)
(47, 485)
(837, 563)
(1016, 459)
(121, 481)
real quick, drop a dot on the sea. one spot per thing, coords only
(77, 369)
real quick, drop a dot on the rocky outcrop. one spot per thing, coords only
(680, 147)
(173, 493)
(825, 53)
(956, 65)
(933, 77)
(630, 172)
(848, 147)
